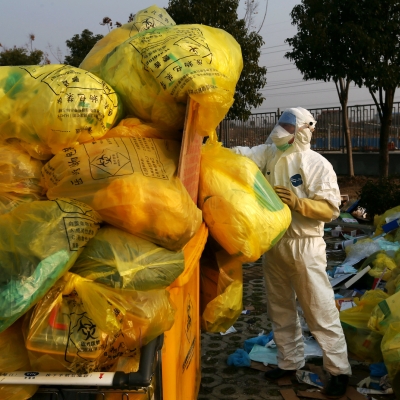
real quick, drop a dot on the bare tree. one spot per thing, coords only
(57, 53)
(251, 10)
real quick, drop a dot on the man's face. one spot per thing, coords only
(288, 127)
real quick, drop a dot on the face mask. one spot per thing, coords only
(284, 147)
(281, 138)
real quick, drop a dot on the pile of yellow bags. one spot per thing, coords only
(100, 241)
(131, 183)
(156, 70)
(361, 340)
(50, 107)
(81, 325)
(39, 242)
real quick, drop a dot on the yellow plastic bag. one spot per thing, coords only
(361, 340)
(19, 172)
(145, 19)
(134, 127)
(241, 210)
(380, 220)
(391, 351)
(20, 176)
(9, 201)
(221, 288)
(131, 182)
(39, 242)
(118, 259)
(393, 284)
(155, 71)
(50, 107)
(382, 267)
(386, 312)
(14, 357)
(83, 326)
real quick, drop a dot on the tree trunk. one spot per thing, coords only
(386, 123)
(383, 145)
(342, 88)
(349, 147)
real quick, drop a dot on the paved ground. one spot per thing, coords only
(220, 381)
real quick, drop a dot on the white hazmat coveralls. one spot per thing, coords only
(296, 265)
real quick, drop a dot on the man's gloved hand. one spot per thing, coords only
(316, 209)
(287, 196)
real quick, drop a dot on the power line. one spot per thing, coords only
(353, 102)
(271, 47)
(278, 51)
(279, 65)
(290, 86)
(278, 84)
(274, 72)
(303, 92)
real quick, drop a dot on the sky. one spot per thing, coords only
(55, 21)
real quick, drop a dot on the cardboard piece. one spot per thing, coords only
(190, 157)
(352, 394)
(284, 381)
(288, 394)
(316, 395)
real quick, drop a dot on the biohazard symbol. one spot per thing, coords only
(103, 160)
(148, 23)
(110, 163)
(87, 328)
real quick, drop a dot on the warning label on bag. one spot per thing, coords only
(175, 56)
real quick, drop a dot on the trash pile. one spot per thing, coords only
(96, 229)
(364, 271)
(367, 285)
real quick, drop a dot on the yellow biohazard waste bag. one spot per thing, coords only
(393, 284)
(50, 107)
(119, 259)
(145, 19)
(9, 200)
(134, 127)
(242, 211)
(14, 357)
(380, 220)
(361, 340)
(132, 183)
(39, 242)
(20, 176)
(221, 288)
(19, 172)
(386, 312)
(382, 266)
(83, 326)
(156, 70)
(391, 351)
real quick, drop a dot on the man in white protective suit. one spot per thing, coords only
(296, 265)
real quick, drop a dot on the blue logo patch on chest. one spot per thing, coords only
(296, 180)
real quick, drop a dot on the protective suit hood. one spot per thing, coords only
(302, 123)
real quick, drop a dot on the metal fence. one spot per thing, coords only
(328, 136)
